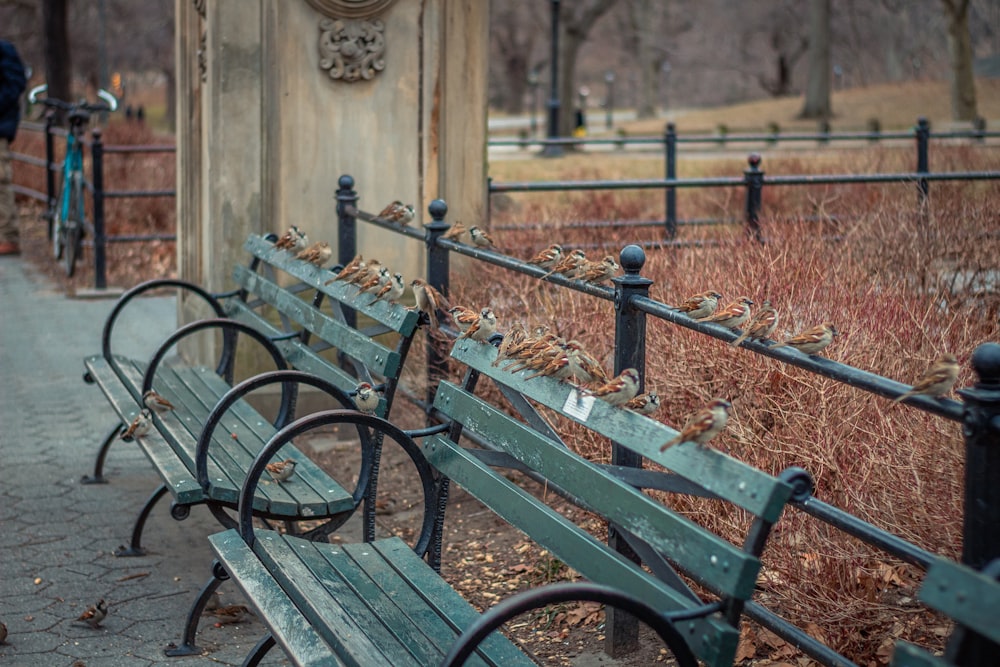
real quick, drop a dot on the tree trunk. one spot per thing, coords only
(57, 52)
(963, 82)
(817, 104)
(515, 71)
(576, 20)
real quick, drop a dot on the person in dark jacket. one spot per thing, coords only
(12, 83)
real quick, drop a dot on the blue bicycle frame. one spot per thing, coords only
(72, 163)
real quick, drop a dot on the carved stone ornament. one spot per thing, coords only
(351, 39)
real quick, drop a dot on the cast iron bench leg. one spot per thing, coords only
(135, 548)
(188, 647)
(265, 644)
(98, 476)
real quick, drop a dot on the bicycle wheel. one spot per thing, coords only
(74, 226)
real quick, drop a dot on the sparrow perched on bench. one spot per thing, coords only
(350, 269)
(234, 613)
(483, 327)
(399, 212)
(365, 272)
(366, 398)
(94, 614)
(937, 380)
(375, 281)
(318, 253)
(547, 258)
(703, 425)
(139, 426)
(644, 404)
(156, 403)
(760, 326)
(513, 336)
(392, 291)
(585, 367)
(700, 305)
(597, 272)
(429, 300)
(280, 471)
(732, 316)
(619, 390)
(294, 240)
(812, 340)
(480, 238)
(463, 317)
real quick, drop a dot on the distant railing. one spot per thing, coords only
(94, 185)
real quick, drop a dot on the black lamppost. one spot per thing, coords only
(609, 99)
(552, 149)
(533, 84)
(665, 68)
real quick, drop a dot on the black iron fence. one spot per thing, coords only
(95, 185)
(978, 414)
(754, 178)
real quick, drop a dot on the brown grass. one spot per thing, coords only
(900, 286)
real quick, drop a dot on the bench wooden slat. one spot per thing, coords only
(970, 598)
(743, 485)
(908, 655)
(576, 547)
(300, 640)
(718, 563)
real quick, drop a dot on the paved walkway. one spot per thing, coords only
(56, 535)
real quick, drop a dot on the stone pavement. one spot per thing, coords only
(56, 535)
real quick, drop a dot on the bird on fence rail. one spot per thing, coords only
(294, 240)
(483, 327)
(350, 269)
(569, 265)
(399, 212)
(318, 253)
(548, 258)
(366, 398)
(644, 404)
(700, 305)
(139, 426)
(703, 425)
(812, 340)
(619, 390)
(598, 272)
(281, 471)
(429, 300)
(392, 291)
(157, 403)
(512, 337)
(94, 614)
(480, 238)
(937, 380)
(762, 325)
(456, 231)
(732, 316)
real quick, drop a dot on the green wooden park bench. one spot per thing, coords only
(384, 602)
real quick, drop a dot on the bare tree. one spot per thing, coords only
(963, 83)
(576, 18)
(515, 28)
(58, 64)
(648, 29)
(817, 104)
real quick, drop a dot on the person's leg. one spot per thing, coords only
(9, 233)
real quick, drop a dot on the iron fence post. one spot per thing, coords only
(670, 148)
(753, 177)
(100, 237)
(981, 523)
(347, 232)
(489, 200)
(923, 134)
(621, 628)
(50, 172)
(437, 276)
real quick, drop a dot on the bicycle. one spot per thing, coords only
(66, 214)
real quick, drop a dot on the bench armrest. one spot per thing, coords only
(285, 414)
(147, 286)
(536, 598)
(434, 486)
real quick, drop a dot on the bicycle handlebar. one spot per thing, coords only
(110, 103)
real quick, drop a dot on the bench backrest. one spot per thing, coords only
(728, 570)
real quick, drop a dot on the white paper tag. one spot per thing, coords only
(579, 405)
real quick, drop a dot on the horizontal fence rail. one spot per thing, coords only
(979, 415)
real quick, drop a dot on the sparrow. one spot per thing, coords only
(234, 613)
(480, 238)
(366, 398)
(598, 272)
(455, 232)
(811, 341)
(700, 305)
(399, 212)
(585, 367)
(937, 380)
(569, 264)
(619, 390)
(294, 240)
(350, 269)
(556, 365)
(139, 426)
(392, 290)
(280, 471)
(364, 273)
(761, 325)
(94, 614)
(156, 403)
(429, 300)
(375, 281)
(513, 336)
(547, 258)
(703, 425)
(644, 404)
(463, 317)
(318, 253)
(733, 315)
(484, 326)
(3, 634)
